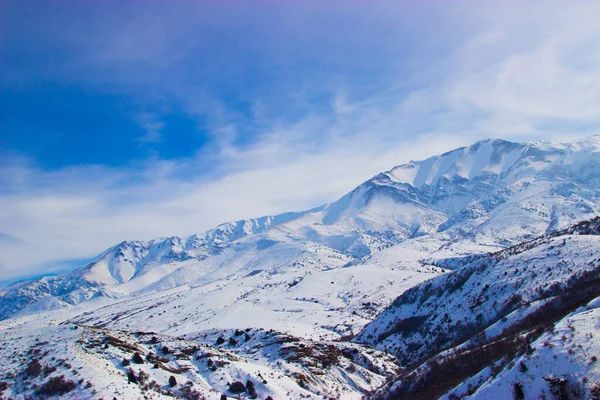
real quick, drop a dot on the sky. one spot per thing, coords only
(124, 120)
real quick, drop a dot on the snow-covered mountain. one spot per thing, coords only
(275, 300)
(478, 330)
(471, 200)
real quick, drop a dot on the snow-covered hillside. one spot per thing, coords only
(286, 294)
(82, 362)
(523, 320)
(471, 200)
(509, 307)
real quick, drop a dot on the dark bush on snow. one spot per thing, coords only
(518, 393)
(56, 386)
(189, 393)
(558, 386)
(237, 387)
(48, 369)
(137, 358)
(131, 376)
(172, 381)
(125, 362)
(522, 367)
(34, 368)
(143, 377)
(220, 340)
(251, 390)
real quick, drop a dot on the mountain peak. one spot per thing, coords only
(588, 143)
(492, 156)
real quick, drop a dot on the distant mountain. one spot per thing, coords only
(472, 200)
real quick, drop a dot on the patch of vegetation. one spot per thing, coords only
(3, 386)
(137, 358)
(518, 393)
(34, 368)
(237, 387)
(56, 386)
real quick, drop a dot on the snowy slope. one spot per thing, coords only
(496, 309)
(91, 361)
(310, 293)
(562, 362)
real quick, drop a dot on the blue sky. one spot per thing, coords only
(133, 120)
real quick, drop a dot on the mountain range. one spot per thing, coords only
(429, 265)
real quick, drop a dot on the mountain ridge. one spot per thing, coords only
(465, 197)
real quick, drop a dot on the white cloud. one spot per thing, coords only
(539, 66)
(152, 127)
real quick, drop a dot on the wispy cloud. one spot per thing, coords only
(152, 128)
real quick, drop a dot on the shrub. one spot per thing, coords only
(232, 341)
(34, 368)
(143, 377)
(558, 386)
(137, 358)
(237, 387)
(131, 376)
(522, 367)
(165, 350)
(48, 369)
(57, 385)
(191, 394)
(518, 393)
(125, 362)
(172, 381)
(220, 340)
(251, 390)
